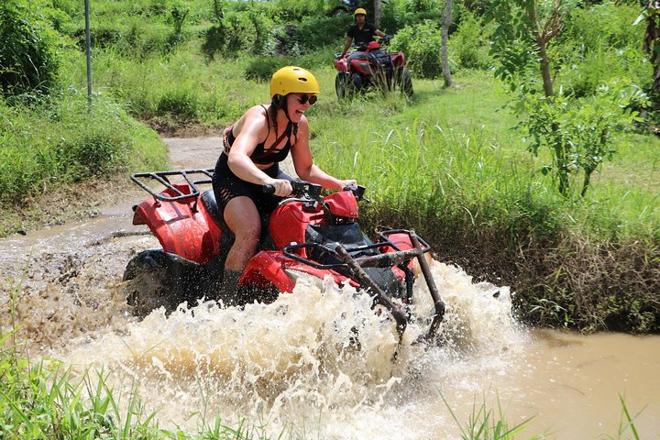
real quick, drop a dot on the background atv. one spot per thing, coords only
(371, 66)
(306, 234)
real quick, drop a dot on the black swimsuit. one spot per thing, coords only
(262, 155)
(227, 185)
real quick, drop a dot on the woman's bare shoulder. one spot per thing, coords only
(253, 117)
(257, 111)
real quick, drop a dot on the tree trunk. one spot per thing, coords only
(446, 21)
(377, 13)
(545, 68)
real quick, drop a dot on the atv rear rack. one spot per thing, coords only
(163, 177)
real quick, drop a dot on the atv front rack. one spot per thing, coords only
(163, 177)
(350, 260)
(388, 259)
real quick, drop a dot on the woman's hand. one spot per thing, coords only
(350, 183)
(282, 187)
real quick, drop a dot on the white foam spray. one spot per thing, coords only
(318, 362)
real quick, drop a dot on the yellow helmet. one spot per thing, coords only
(292, 79)
(359, 11)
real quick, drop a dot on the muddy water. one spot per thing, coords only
(317, 363)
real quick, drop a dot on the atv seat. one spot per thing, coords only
(208, 198)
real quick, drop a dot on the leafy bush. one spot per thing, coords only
(177, 17)
(468, 46)
(295, 9)
(603, 25)
(262, 68)
(318, 31)
(600, 66)
(181, 103)
(93, 153)
(421, 44)
(285, 41)
(577, 132)
(598, 45)
(29, 58)
(398, 14)
(238, 32)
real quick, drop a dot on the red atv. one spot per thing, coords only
(306, 234)
(370, 66)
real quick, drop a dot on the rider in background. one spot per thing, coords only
(361, 32)
(253, 147)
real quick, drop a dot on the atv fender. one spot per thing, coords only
(264, 270)
(183, 227)
(267, 268)
(400, 240)
(398, 59)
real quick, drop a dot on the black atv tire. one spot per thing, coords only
(404, 82)
(154, 278)
(343, 86)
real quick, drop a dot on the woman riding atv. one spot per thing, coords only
(253, 147)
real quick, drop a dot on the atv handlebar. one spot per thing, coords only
(300, 189)
(312, 191)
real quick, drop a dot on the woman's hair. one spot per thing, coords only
(278, 102)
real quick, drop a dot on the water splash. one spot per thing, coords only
(319, 357)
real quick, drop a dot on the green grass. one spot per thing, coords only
(58, 142)
(43, 401)
(455, 153)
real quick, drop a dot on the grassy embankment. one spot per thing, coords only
(451, 166)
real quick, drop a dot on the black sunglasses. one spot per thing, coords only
(307, 98)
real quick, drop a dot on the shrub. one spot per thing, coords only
(319, 31)
(468, 46)
(601, 66)
(29, 59)
(237, 32)
(421, 44)
(598, 45)
(285, 41)
(181, 103)
(603, 25)
(577, 132)
(262, 68)
(93, 153)
(398, 14)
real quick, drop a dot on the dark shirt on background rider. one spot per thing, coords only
(361, 36)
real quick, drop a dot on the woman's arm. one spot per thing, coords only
(304, 163)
